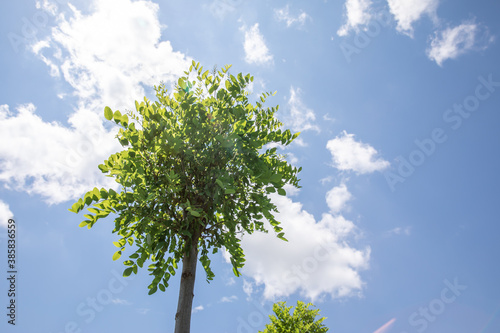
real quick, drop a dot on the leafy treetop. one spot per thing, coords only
(301, 320)
(196, 170)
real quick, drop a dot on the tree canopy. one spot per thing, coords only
(195, 173)
(301, 320)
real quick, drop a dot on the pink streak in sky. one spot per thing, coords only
(386, 326)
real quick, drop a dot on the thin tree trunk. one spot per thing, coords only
(185, 303)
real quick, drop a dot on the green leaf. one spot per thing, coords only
(281, 191)
(194, 213)
(108, 114)
(83, 224)
(152, 290)
(117, 255)
(229, 191)
(275, 178)
(75, 207)
(117, 116)
(162, 287)
(270, 189)
(117, 244)
(127, 271)
(134, 256)
(281, 236)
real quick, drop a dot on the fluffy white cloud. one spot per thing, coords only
(348, 154)
(357, 14)
(406, 12)
(256, 51)
(337, 198)
(283, 14)
(300, 118)
(316, 260)
(5, 214)
(57, 162)
(112, 52)
(106, 56)
(453, 42)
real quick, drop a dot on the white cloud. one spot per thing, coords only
(247, 288)
(51, 160)
(230, 299)
(143, 311)
(48, 6)
(112, 52)
(220, 8)
(349, 154)
(357, 14)
(406, 12)
(300, 118)
(230, 281)
(106, 56)
(399, 231)
(325, 180)
(198, 309)
(316, 260)
(5, 214)
(283, 14)
(453, 42)
(120, 301)
(256, 51)
(337, 198)
(291, 190)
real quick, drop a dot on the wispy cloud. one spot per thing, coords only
(229, 299)
(143, 311)
(248, 288)
(120, 301)
(256, 51)
(283, 14)
(300, 117)
(454, 42)
(357, 13)
(399, 231)
(351, 155)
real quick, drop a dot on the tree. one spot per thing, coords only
(195, 174)
(300, 321)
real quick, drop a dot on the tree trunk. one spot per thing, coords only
(185, 303)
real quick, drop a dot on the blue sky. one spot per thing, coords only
(395, 228)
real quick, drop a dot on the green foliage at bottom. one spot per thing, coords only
(302, 320)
